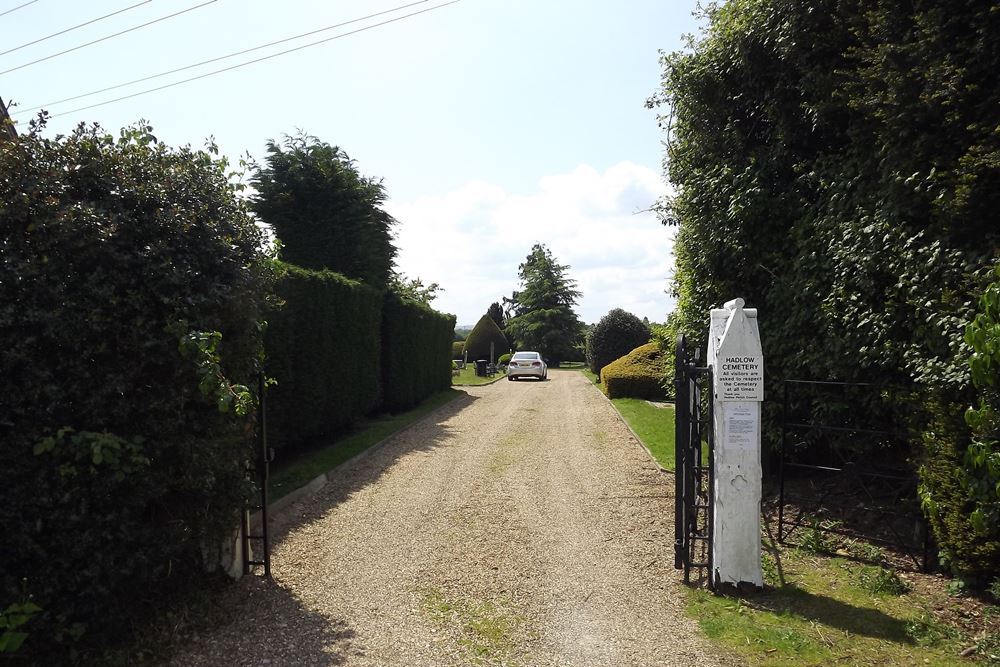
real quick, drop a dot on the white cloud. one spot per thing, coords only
(472, 239)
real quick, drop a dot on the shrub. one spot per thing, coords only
(639, 374)
(618, 333)
(485, 332)
(416, 352)
(131, 280)
(504, 359)
(458, 349)
(960, 475)
(323, 349)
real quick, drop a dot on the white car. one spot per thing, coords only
(527, 364)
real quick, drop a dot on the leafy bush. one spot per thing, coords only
(850, 196)
(504, 359)
(132, 283)
(639, 374)
(416, 352)
(960, 476)
(458, 349)
(485, 332)
(323, 348)
(615, 335)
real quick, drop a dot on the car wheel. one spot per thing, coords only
(510, 378)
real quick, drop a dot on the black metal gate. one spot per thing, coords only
(257, 546)
(693, 463)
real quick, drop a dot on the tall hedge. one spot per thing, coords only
(837, 164)
(132, 283)
(416, 352)
(323, 348)
(483, 335)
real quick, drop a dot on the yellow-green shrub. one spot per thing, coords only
(639, 374)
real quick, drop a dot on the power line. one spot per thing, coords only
(102, 39)
(212, 60)
(256, 60)
(14, 9)
(63, 32)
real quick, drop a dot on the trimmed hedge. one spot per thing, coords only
(457, 349)
(639, 374)
(416, 352)
(324, 351)
(485, 332)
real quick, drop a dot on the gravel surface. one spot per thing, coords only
(519, 525)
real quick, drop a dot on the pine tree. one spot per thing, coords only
(543, 317)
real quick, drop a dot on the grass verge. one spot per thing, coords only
(305, 467)
(820, 610)
(653, 425)
(467, 377)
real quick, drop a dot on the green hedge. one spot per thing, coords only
(482, 335)
(416, 352)
(324, 351)
(115, 468)
(639, 374)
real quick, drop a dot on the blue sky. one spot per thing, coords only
(495, 125)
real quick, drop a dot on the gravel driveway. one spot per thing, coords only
(519, 525)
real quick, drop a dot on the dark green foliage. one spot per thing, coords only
(416, 352)
(323, 348)
(485, 332)
(115, 469)
(504, 359)
(837, 164)
(618, 333)
(638, 374)
(497, 315)
(544, 320)
(326, 214)
(960, 486)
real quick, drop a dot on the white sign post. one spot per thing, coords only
(734, 353)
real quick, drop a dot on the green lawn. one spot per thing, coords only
(467, 377)
(820, 610)
(653, 425)
(290, 475)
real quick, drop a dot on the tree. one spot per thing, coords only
(497, 315)
(618, 333)
(543, 316)
(413, 289)
(324, 212)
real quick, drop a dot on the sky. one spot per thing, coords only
(494, 125)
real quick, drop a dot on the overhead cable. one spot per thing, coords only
(80, 25)
(212, 60)
(256, 60)
(102, 39)
(14, 9)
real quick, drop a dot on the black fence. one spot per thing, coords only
(845, 469)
